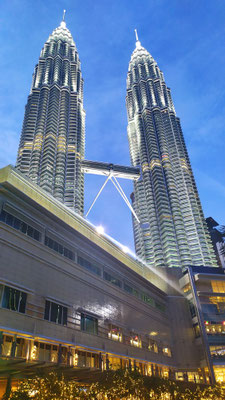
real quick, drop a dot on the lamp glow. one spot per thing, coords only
(100, 229)
(153, 333)
(125, 249)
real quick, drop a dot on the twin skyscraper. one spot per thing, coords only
(171, 231)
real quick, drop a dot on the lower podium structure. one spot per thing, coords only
(204, 289)
(70, 298)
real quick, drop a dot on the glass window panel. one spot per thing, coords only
(20, 225)
(131, 290)
(82, 322)
(3, 216)
(71, 256)
(30, 231)
(6, 298)
(14, 299)
(68, 253)
(50, 243)
(55, 313)
(89, 324)
(88, 265)
(55, 246)
(47, 309)
(54, 316)
(23, 227)
(22, 302)
(112, 279)
(17, 223)
(60, 249)
(64, 316)
(9, 219)
(36, 235)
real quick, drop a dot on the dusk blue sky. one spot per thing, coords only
(186, 38)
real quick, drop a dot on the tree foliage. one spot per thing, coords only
(114, 385)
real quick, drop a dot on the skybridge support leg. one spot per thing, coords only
(121, 192)
(98, 194)
(124, 197)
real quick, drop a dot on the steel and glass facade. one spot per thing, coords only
(204, 289)
(53, 135)
(172, 230)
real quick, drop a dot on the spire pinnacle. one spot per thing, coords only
(136, 34)
(63, 24)
(138, 43)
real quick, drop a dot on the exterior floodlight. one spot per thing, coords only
(100, 229)
(125, 249)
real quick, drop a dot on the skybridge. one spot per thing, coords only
(111, 172)
(102, 168)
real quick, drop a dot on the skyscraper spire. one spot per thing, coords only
(136, 34)
(53, 135)
(63, 22)
(172, 230)
(138, 43)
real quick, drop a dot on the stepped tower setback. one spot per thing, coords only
(53, 135)
(172, 230)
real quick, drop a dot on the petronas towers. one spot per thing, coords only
(172, 230)
(53, 135)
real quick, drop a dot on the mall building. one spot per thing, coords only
(71, 298)
(204, 289)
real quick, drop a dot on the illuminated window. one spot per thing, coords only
(217, 351)
(219, 304)
(215, 329)
(135, 341)
(153, 346)
(115, 333)
(219, 374)
(7, 345)
(44, 352)
(218, 286)
(187, 288)
(167, 351)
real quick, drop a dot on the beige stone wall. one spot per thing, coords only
(31, 266)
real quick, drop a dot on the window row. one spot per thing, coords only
(21, 226)
(15, 300)
(54, 245)
(91, 266)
